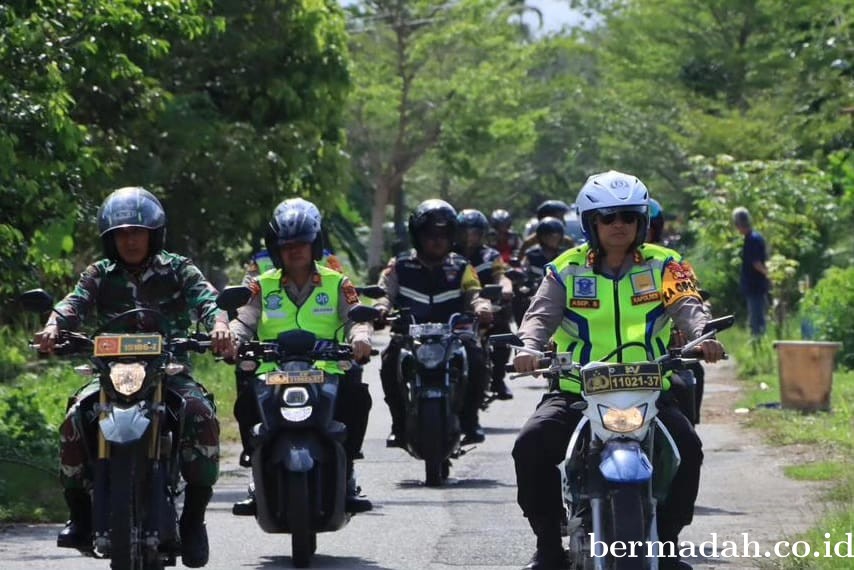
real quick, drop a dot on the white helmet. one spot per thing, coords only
(610, 192)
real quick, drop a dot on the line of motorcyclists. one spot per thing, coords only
(467, 277)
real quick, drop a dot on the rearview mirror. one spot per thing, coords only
(36, 301)
(363, 314)
(233, 297)
(508, 339)
(719, 324)
(491, 292)
(371, 291)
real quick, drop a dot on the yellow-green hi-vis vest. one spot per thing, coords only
(602, 313)
(318, 314)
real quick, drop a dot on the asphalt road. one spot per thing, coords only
(473, 522)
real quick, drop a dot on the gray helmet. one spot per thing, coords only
(294, 220)
(131, 207)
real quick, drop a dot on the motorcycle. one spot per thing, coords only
(621, 459)
(525, 284)
(298, 459)
(493, 293)
(134, 461)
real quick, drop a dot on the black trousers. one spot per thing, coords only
(475, 389)
(353, 407)
(542, 443)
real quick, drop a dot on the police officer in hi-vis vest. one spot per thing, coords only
(613, 290)
(299, 293)
(434, 283)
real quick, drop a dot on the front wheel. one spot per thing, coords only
(628, 524)
(431, 429)
(124, 514)
(303, 537)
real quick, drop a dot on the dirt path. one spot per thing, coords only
(743, 488)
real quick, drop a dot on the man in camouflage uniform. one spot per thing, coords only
(138, 273)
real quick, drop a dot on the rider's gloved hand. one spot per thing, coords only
(525, 363)
(46, 338)
(361, 350)
(222, 340)
(712, 350)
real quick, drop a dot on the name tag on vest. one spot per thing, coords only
(323, 310)
(646, 298)
(584, 303)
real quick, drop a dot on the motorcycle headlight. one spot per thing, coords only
(127, 378)
(430, 355)
(622, 421)
(296, 414)
(295, 396)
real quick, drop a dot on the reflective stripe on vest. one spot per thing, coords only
(602, 313)
(318, 314)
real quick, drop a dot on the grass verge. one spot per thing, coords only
(829, 437)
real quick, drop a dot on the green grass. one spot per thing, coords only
(218, 378)
(817, 471)
(30, 493)
(829, 434)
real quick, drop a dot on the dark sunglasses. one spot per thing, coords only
(625, 217)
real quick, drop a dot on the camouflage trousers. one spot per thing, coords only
(199, 445)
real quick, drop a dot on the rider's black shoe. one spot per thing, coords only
(395, 439)
(355, 504)
(473, 436)
(246, 507)
(78, 530)
(195, 549)
(501, 391)
(550, 559)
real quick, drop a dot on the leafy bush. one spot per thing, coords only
(792, 206)
(830, 305)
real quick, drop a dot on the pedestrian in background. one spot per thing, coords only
(754, 274)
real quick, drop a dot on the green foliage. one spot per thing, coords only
(830, 306)
(791, 205)
(254, 117)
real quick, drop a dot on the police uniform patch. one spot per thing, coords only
(679, 283)
(584, 303)
(643, 282)
(273, 302)
(321, 298)
(584, 287)
(655, 296)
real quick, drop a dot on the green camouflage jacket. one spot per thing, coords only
(170, 284)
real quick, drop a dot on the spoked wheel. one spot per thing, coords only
(303, 538)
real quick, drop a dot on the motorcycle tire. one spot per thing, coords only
(125, 548)
(303, 538)
(431, 418)
(628, 523)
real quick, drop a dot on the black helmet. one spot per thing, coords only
(501, 218)
(294, 220)
(552, 208)
(131, 207)
(549, 225)
(470, 219)
(432, 213)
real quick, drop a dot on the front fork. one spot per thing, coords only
(157, 482)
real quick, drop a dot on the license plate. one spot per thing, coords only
(295, 377)
(622, 377)
(128, 345)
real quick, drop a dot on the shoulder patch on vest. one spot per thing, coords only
(679, 283)
(584, 287)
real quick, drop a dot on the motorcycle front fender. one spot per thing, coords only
(123, 426)
(625, 462)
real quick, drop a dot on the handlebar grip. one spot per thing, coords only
(541, 363)
(695, 352)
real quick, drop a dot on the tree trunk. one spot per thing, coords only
(377, 241)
